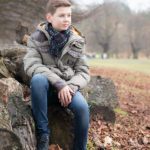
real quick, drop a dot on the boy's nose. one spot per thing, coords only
(67, 18)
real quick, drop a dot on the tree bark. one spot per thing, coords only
(12, 62)
(16, 123)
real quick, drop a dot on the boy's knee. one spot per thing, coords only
(80, 109)
(39, 80)
(80, 104)
(83, 108)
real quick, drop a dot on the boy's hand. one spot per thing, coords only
(65, 96)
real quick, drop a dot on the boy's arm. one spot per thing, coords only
(81, 77)
(33, 65)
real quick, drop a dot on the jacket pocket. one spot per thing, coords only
(77, 45)
(75, 54)
(69, 59)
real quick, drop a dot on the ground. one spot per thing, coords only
(131, 130)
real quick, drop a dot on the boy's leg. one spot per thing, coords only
(80, 109)
(41, 91)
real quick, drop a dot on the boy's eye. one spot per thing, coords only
(61, 15)
(69, 15)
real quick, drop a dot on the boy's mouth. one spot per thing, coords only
(66, 25)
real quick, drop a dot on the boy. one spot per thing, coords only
(55, 64)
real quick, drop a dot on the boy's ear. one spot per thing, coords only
(48, 17)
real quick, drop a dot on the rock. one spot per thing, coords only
(16, 122)
(3, 91)
(102, 97)
(12, 62)
(61, 125)
(3, 69)
(9, 140)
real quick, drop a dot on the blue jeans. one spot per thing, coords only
(42, 92)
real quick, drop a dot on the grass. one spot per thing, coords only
(142, 65)
(121, 112)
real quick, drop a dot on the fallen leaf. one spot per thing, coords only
(54, 147)
(145, 140)
(107, 141)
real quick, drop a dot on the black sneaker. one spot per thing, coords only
(43, 142)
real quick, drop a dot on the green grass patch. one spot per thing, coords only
(142, 65)
(90, 145)
(120, 111)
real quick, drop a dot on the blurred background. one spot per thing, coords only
(113, 28)
(117, 31)
(117, 36)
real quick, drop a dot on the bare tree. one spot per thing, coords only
(105, 26)
(137, 26)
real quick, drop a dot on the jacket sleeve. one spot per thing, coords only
(82, 75)
(33, 65)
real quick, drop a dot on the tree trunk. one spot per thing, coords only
(135, 54)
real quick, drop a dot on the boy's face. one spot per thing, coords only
(61, 19)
